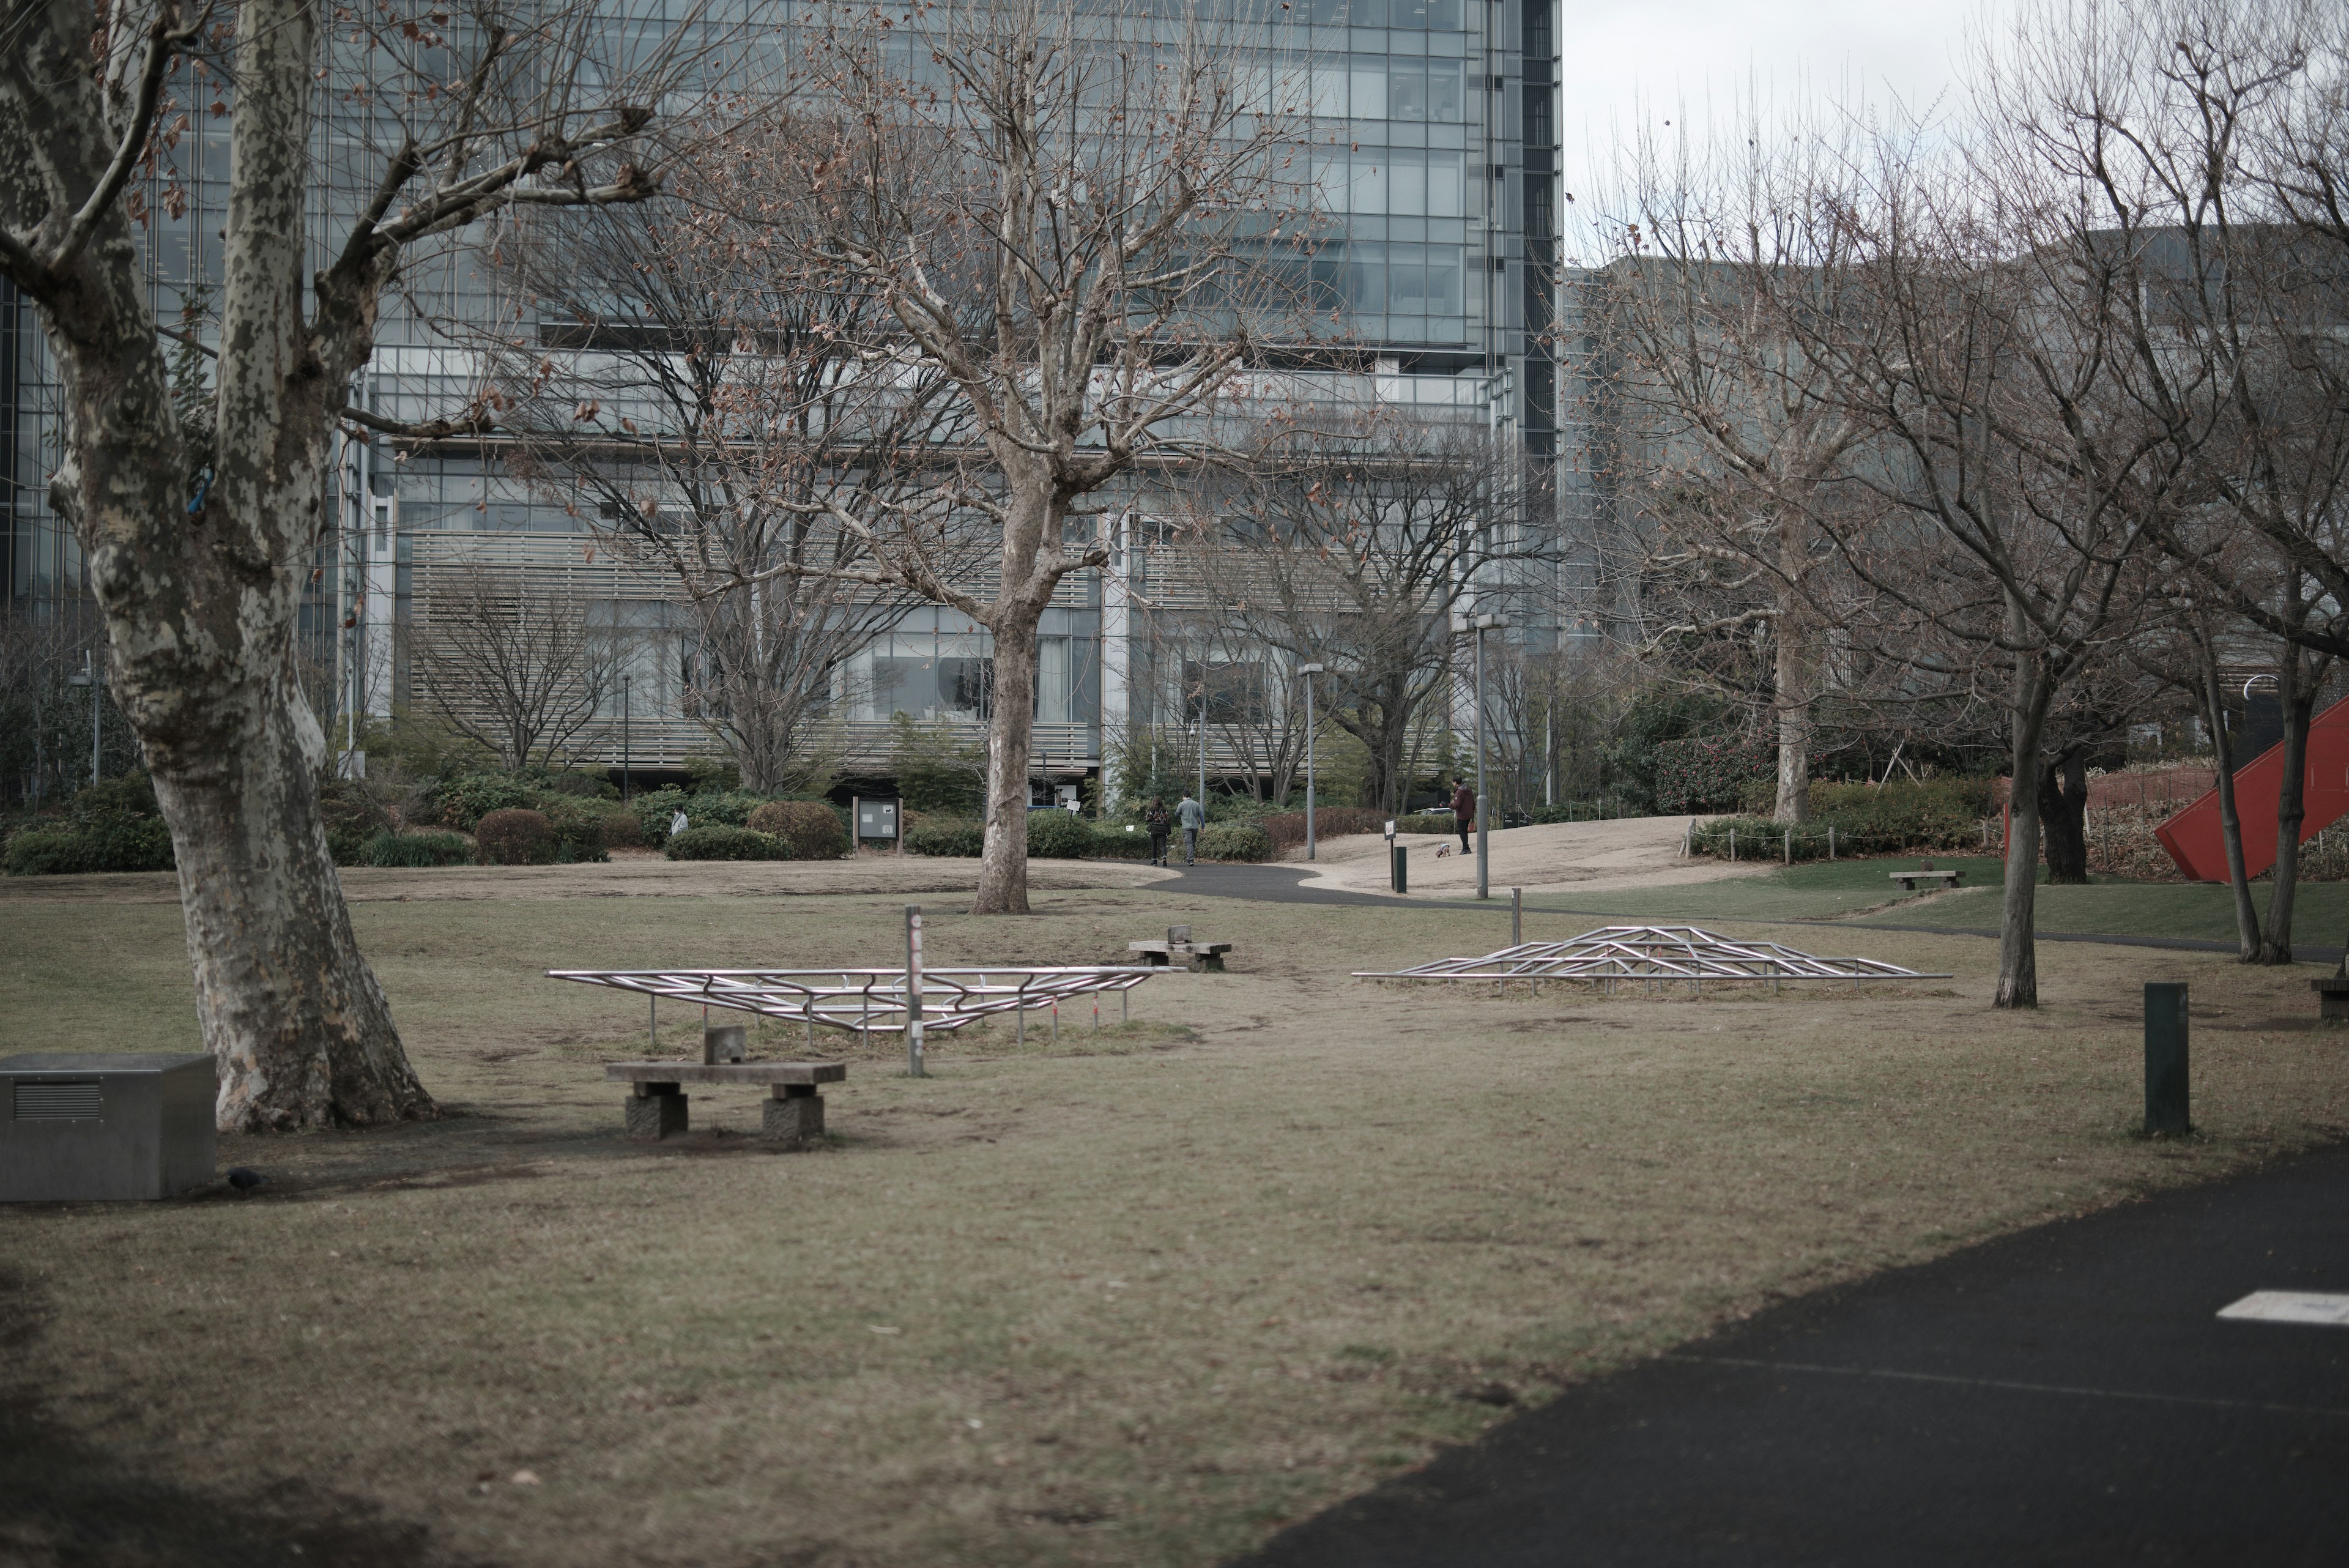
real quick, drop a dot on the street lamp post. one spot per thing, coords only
(1309, 671)
(1484, 623)
(627, 740)
(88, 677)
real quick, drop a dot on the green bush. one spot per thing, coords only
(1059, 835)
(515, 838)
(1116, 841)
(133, 794)
(947, 835)
(578, 830)
(1868, 819)
(389, 848)
(724, 842)
(1656, 718)
(1710, 774)
(817, 830)
(1428, 822)
(101, 844)
(711, 808)
(621, 828)
(463, 801)
(936, 771)
(348, 846)
(1234, 841)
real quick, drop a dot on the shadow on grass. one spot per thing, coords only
(66, 1501)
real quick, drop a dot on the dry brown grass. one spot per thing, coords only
(1135, 1301)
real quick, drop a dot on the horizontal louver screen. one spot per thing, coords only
(57, 1102)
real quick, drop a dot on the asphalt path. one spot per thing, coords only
(2065, 1396)
(1286, 884)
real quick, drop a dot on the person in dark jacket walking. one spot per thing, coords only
(1158, 821)
(1463, 810)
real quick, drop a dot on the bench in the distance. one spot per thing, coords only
(1201, 957)
(1909, 879)
(656, 1095)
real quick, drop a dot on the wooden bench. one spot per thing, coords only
(657, 1096)
(2332, 998)
(1909, 879)
(1201, 958)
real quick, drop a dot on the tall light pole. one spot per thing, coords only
(88, 677)
(1484, 623)
(1309, 671)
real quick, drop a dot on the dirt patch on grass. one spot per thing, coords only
(1138, 1299)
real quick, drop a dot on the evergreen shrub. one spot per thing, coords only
(416, 849)
(518, 837)
(958, 836)
(724, 842)
(816, 828)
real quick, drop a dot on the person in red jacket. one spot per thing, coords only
(1463, 810)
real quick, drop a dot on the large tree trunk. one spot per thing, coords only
(2298, 698)
(2062, 788)
(1793, 701)
(1003, 861)
(200, 604)
(2231, 820)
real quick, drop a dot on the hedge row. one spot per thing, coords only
(720, 842)
(1710, 774)
(1867, 819)
(1064, 835)
(100, 844)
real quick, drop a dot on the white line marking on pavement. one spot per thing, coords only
(2018, 1388)
(2291, 1306)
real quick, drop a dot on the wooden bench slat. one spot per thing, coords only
(726, 1072)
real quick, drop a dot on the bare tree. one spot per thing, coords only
(513, 668)
(714, 405)
(449, 117)
(1721, 428)
(1354, 550)
(1066, 214)
(2205, 137)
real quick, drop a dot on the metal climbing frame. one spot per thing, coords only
(871, 1001)
(1651, 953)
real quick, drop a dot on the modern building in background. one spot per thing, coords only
(1442, 190)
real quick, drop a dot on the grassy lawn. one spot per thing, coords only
(2320, 914)
(1812, 891)
(1137, 1299)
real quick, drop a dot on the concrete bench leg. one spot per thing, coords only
(1207, 963)
(656, 1111)
(794, 1115)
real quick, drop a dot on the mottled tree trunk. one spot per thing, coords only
(1003, 861)
(1796, 671)
(200, 603)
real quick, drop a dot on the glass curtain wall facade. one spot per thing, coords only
(1435, 120)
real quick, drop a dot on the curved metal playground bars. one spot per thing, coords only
(867, 1002)
(1653, 954)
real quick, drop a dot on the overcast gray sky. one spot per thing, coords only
(1664, 59)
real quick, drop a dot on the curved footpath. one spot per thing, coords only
(2069, 1395)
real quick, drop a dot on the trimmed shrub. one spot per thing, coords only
(515, 838)
(813, 826)
(1427, 822)
(1286, 828)
(1236, 841)
(462, 802)
(711, 808)
(621, 828)
(348, 846)
(101, 844)
(722, 841)
(1059, 835)
(578, 830)
(1112, 841)
(947, 835)
(390, 848)
(1868, 819)
(1700, 774)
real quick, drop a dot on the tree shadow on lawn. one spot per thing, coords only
(65, 1501)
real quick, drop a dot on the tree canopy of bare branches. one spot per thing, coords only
(446, 117)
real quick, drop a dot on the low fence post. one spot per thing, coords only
(1830, 841)
(2166, 1094)
(1790, 846)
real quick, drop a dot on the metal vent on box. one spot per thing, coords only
(57, 1102)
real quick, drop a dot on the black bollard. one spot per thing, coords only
(1399, 873)
(2165, 1059)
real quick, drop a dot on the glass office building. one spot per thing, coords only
(1434, 164)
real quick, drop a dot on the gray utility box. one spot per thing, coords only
(102, 1125)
